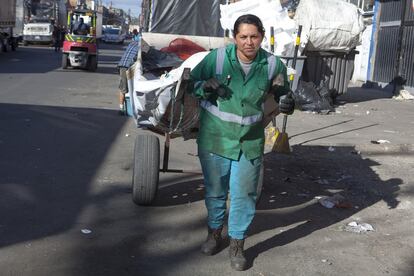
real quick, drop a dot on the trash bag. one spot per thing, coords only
(326, 94)
(308, 97)
(155, 59)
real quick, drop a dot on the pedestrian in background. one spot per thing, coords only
(135, 35)
(232, 84)
(62, 35)
(56, 37)
(127, 60)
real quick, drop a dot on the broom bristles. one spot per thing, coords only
(281, 144)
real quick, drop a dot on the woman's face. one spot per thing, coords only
(248, 40)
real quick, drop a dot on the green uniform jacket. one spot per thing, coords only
(228, 126)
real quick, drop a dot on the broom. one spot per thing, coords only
(282, 140)
(272, 132)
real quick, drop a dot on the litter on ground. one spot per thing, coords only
(356, 227)
(322, 181)
(380, 141)
(404, 95)
(86, 231)
(335, 201)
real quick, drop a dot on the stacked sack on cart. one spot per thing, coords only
(154, 87)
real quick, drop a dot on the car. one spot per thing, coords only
(113, 35)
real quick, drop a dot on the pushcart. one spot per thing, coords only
(179, 120)
(146, 169)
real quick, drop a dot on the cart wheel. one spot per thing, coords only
(64, 61)
(260, 183)
(146, 169)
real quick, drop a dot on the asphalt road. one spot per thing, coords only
(66, 161)
(66, 165)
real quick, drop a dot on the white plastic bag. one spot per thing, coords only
(271, 14)
(151, 97)
(329, 25)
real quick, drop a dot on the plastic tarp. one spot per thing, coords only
(189, 17)
(272, 15)
(155, 59)
(329, 25)
(362, 59)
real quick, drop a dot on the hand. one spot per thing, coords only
(287, 104)
(213, 86)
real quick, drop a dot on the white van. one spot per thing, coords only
(113, 35)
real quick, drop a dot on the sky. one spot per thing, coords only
(134, 5)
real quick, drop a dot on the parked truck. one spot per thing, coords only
(38, 30)
(21, 15)
(7, 22)
(43, 15)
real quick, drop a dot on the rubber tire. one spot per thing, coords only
(260, 184)
(145, 174)
(93, 63)
(25, 43)
(64, 61)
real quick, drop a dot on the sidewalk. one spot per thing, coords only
(362, 116)
(293, 234)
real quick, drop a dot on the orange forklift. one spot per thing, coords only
(79, 46)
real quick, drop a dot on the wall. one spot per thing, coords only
(393, 53)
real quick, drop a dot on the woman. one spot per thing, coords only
(232, 84)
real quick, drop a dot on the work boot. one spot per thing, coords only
(237, 259)
(213, 242)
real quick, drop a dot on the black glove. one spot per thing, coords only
(287, 104)
(213, 86)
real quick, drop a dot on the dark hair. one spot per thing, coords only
(248, 19)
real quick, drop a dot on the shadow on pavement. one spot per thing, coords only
(360, 94)
(293, 181)
(180, 193)
(332, 135)
(48, 158)
(162, 239)
(44, 59)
